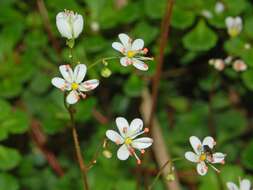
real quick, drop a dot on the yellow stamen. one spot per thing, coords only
(131, 54)
(202, 157)
(74, 86)
(128, 141)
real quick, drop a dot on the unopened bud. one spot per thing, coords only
(239, 65)
(107, 154)
(219, 64)
(106, 72)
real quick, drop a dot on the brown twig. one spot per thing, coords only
(160, 58)
(40, 140)
(44, 14)
(159, 147)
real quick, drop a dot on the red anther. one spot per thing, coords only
(222, 162)
(146, 130)
(139, 162)
(145, 50)
(142, 151)
(83, 95)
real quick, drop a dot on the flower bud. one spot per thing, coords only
(106, 72)
(69, 24)
(234, 26)
(219, 64)
(239, 65)
(107, 154)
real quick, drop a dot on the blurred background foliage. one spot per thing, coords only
(194, 98)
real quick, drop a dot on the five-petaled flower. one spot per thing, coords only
(69, 24)
(234, 26)
(244, 185)
(126, 138)
(72, 81)
(133, 52)
(203, 155)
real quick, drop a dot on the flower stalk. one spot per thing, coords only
(80, 159)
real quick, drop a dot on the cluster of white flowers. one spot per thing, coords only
(70, 25)
(220, 64)
(243, 185)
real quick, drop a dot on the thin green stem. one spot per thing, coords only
(102, 60)
(77, 144)
(161, 171)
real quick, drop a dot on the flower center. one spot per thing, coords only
(131, 54)
(74, 86)
(128, 141)
(202, 157)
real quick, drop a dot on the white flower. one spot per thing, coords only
(244, 185)
(69, 24)
(218, 64)
(126, 138)
(239, 65)
(234, 26)
(207, 14)
(219, 7)
(133, 52)
(203, 154)
(72, 81)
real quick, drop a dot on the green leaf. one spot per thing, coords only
(8, 182)
(248, 79)
(201, 38)
(182, 19)
(9, 158)
(247, 156)
(133, 86)
(154, 9)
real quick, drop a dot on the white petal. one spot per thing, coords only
(88, 85)
(140, 65)
(114, 136)
(60, 83)
(196, 144)
(79, 73)
(72, 97)
(191, 156)
(229, 22)
(63, 25)
(245, 184)
(209, 141)
(202, 168)
(232, 186)
(123, 152)
(136, 125)
(138, 44)
(118, 46)
(238, 21)
(125, 40)
(142, 143)
(218, 157)
(125, 61)
(122, 125)
(67, 73)
(77, 25)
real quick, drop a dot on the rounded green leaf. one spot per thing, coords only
(8, 182)
(247, 156)
(9, 158)
(201, 38)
